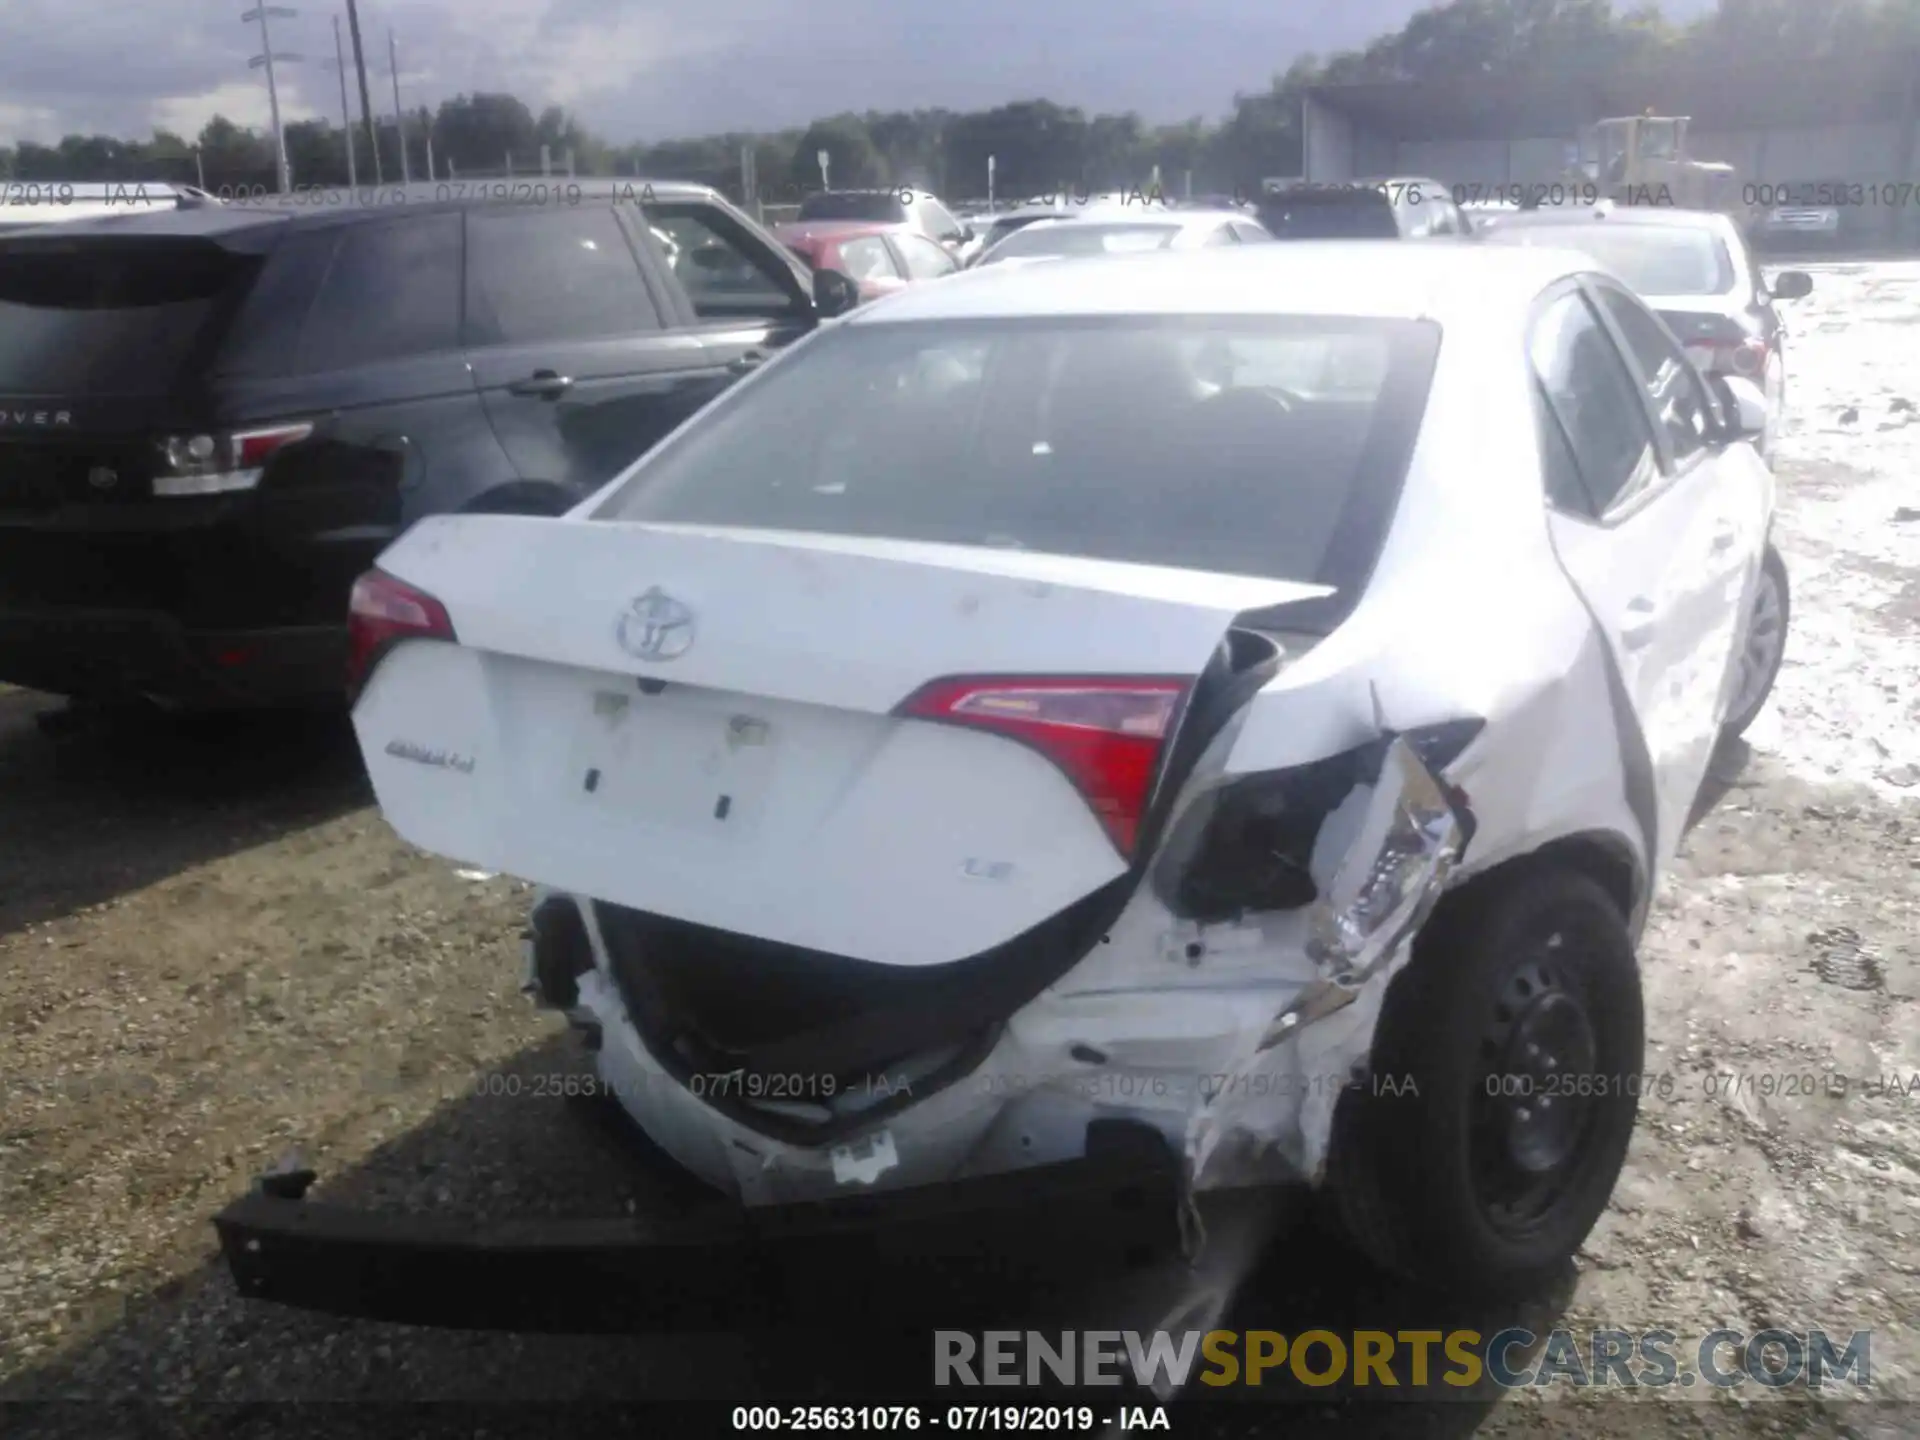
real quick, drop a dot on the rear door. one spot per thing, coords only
(578, 360)
(1627, 531)
(1730, 493)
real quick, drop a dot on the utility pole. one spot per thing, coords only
(366, 100)
(399, 115)
(339, 65)
(265, 58)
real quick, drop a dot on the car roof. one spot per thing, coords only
(1358, 182)
(1309, 277)
(1122, 215)
(1068, 204)
(234, 219)
(188, 220)
(838, 229)
(1606, 213)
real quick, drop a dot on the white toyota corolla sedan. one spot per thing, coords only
(1250, 696)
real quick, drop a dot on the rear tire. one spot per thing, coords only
(1763, 646)
(1454, 1167)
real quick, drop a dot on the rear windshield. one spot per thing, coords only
(1652, 259)
(1330, 215)
(1259, 446)
(108, 318)
(1070, 238)
(881, 205)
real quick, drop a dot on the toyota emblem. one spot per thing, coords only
(101, 478)
(656, 627)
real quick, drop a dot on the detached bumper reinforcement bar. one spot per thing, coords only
(950, 1252)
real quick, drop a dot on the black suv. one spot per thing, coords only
(213, 419)
(1399, 208)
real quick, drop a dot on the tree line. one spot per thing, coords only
(1037, 145)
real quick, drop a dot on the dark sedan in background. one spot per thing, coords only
(1695, 268)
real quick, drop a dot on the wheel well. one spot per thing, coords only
(522, 497)
(1603, 859)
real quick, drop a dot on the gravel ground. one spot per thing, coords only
(211, 948)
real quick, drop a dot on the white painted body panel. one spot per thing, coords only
(846, 830)
(859, 833)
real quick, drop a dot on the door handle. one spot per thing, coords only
(746, 363)
(545, 384)
(1723, 539)
(1638, 633)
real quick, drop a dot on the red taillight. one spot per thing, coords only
(1105, 734)
(253, 448)
(383, 612)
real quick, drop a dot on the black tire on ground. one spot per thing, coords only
(1418, 1160)
(1773, 571)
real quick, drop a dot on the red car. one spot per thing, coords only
(879, 258)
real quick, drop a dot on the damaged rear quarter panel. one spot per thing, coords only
(1549, 764)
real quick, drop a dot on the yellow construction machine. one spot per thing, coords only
(1643, 160)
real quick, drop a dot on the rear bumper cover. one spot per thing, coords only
(1231, 1042)
(949, 1253)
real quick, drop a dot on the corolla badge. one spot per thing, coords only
(656, 627)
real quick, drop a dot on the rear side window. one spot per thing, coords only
(925, 260)
(551, 273)
(1596, 401)
(1677, 394)
(393, 290)
(867, 258)
(79, 318)
(265, 338)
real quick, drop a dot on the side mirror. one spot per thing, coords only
(834, 293)
(1744, 404)
(1792, 284)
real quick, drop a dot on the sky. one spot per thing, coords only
(647, 70)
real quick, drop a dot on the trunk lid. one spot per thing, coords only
(759, 781)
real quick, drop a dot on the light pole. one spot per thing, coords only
(266, 58)
(399, 115)
(339, 65)
(366, 103)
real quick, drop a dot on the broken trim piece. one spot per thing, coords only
(1382, 859)
(1247, 846)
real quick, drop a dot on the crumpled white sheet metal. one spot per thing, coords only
(1382, 861)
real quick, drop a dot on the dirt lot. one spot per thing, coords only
(211, 948)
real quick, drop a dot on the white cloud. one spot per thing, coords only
(659, 68)
(242, 101)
